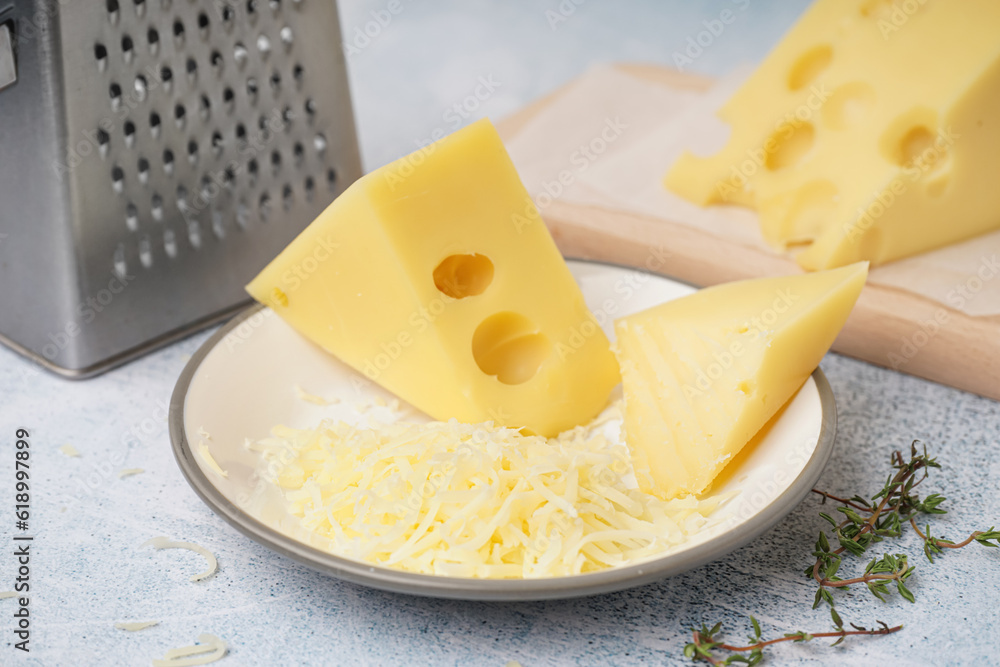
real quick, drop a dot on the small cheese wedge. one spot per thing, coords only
(702, 374)
(436, 277)
(869, 133)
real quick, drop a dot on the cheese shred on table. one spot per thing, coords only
(209, 649)
(480, 500)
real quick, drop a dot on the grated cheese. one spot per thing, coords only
(7, 594)
(70, 450)
(135, 627)
(208, 649)
(210, 461)
(166, 543)
(312, 398)
(128, 472)
(476, 500)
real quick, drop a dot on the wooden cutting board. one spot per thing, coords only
(962, 353)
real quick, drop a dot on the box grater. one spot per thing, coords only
(154, 155)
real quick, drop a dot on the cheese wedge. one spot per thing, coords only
(436, 277)
(871, 132)
(702, 374)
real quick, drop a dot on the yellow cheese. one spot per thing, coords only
(435, 277)
(872, 131)
(702, 374)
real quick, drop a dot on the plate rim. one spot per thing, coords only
(429, 585)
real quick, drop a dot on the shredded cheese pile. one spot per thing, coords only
(479, 500)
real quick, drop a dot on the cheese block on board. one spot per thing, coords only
(871, 132)
(436, 277)
(703, 373)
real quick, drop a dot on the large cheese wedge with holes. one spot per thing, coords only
(436, 277)
(702, 374)
(871, 132)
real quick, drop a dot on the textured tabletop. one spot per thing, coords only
(89, 572)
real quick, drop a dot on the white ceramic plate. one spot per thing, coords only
(242, 382)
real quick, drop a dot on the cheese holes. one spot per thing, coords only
(508, 346)
(809, 66)
(459, 276)
(848, 105)
(788, 145)
(914, 143)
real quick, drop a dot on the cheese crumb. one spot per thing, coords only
(476, 500)
(312, 398)
(166, 543)
(208, 649)
(210, 461)
(70, 450)
(128, 472)
(135, 627)
(7, 594)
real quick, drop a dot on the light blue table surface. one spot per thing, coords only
(89, 572)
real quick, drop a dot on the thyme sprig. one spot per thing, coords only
(868, 521)
(865, 522)
(705, 641)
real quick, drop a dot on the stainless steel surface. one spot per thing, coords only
(8, 68)
(157, 153)
(481, 589)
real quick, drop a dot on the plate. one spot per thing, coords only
(242, 382)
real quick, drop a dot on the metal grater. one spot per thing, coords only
(154, 155)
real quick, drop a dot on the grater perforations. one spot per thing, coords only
(128, 133)
(142, 170)
(181, 95)
(101, 54)
(127, 46)
(115, 92)
(211, 134)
